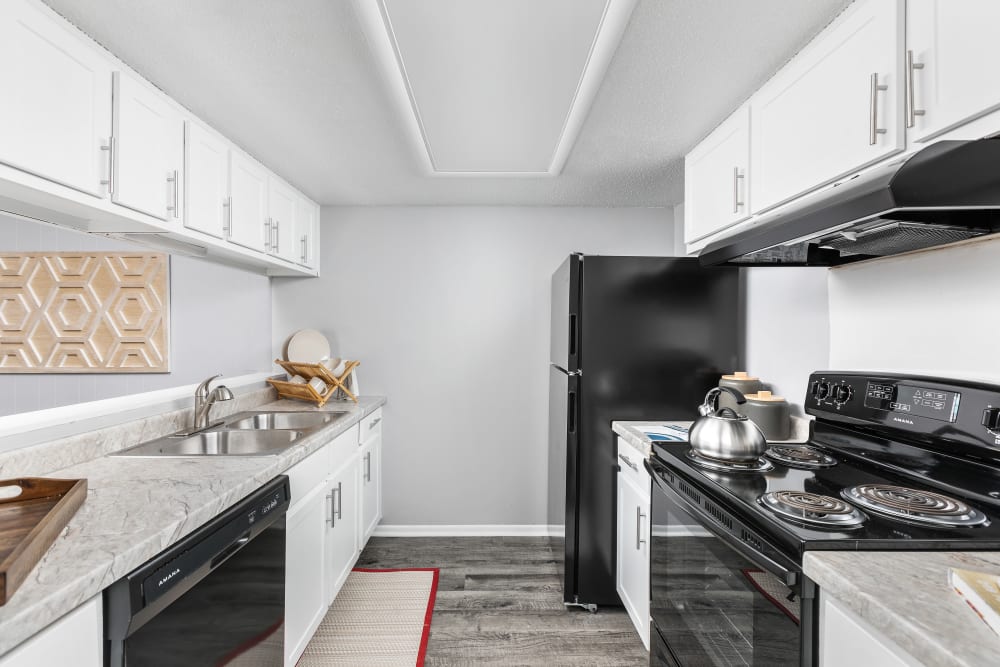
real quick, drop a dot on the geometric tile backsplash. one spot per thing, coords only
(84, 312)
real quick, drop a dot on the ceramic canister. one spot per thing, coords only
(741, 382)
(770, 413)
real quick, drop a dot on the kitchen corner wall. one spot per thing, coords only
(448, 311)
(220, 322)
(928, 313)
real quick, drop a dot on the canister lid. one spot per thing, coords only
(741, 375)
(765, 396)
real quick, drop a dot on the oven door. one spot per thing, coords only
(715, 599)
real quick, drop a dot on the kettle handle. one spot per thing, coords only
(711, 403)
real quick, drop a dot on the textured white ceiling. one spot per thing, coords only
(295, 84)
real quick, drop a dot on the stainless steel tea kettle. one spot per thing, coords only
(724, 434)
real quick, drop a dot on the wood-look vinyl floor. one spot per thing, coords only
(499, 602)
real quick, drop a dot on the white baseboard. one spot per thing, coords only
(487, 530)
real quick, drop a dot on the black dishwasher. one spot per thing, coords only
(216, 596)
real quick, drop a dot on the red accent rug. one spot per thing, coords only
(379, 618)
(775, 591)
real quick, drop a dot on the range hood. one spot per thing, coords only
(947, 192)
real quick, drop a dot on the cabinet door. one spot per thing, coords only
(846, 641)
(342, 533)
(835, 108)
(371, 488)
(715, 179)
(56, 110)
(281, 220)
(633, 554)
(307, 232)
(305, 569)
(75, 639)
(206, 176)
(148, 143)
(247, 202)
(952, 65)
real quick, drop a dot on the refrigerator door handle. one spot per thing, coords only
(572, 334)
(571, 413)
(566, 372)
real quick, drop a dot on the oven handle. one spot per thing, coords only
(791, 577)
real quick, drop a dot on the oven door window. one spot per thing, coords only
(711, 605)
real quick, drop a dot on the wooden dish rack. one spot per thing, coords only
(304, 391)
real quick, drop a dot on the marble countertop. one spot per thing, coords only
(636, 433)
(136, 507)
(905, 596)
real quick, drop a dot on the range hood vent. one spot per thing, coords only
(947, 192)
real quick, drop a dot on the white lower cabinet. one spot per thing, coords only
(75, 639)
(305, 571)
(371, 487)
(342, 536)
(846, 640)
(632, 574)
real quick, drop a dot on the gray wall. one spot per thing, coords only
(448, 311)
(220, 322)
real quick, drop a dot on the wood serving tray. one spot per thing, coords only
(30, 523)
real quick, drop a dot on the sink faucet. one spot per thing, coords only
(205, 399)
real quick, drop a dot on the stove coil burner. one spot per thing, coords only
(799, 456)
(914, 505)
(720, 465)
(812, 509)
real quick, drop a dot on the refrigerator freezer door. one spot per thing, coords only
(564, 348)
(563, 469)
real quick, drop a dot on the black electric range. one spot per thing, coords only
(893, 463)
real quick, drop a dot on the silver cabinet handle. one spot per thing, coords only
(304, 249)
(373, 423)
(368, 467)
(911, 106)
(329, 520)
(110, 148)
(227, 226)
(277, 237)
(267, 234)
(737, 177)
(628, 462)
(172, 179)
(639, 516)
(340, 500)
(876, 87)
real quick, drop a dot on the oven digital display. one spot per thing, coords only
(913, 400)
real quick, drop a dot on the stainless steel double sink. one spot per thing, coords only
(243, 434)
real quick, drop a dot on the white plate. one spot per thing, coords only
(308, 347)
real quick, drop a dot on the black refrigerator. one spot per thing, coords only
(633, 338)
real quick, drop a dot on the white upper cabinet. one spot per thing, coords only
(835, 108)
(206, 178)
(281, 220)
(248, 202)
(718, 165)
(307, 232)
(952, 60)
(56, 110)
(148, 142)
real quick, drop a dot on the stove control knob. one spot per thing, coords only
(822, 390)
(991, 419)
(842, 393)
